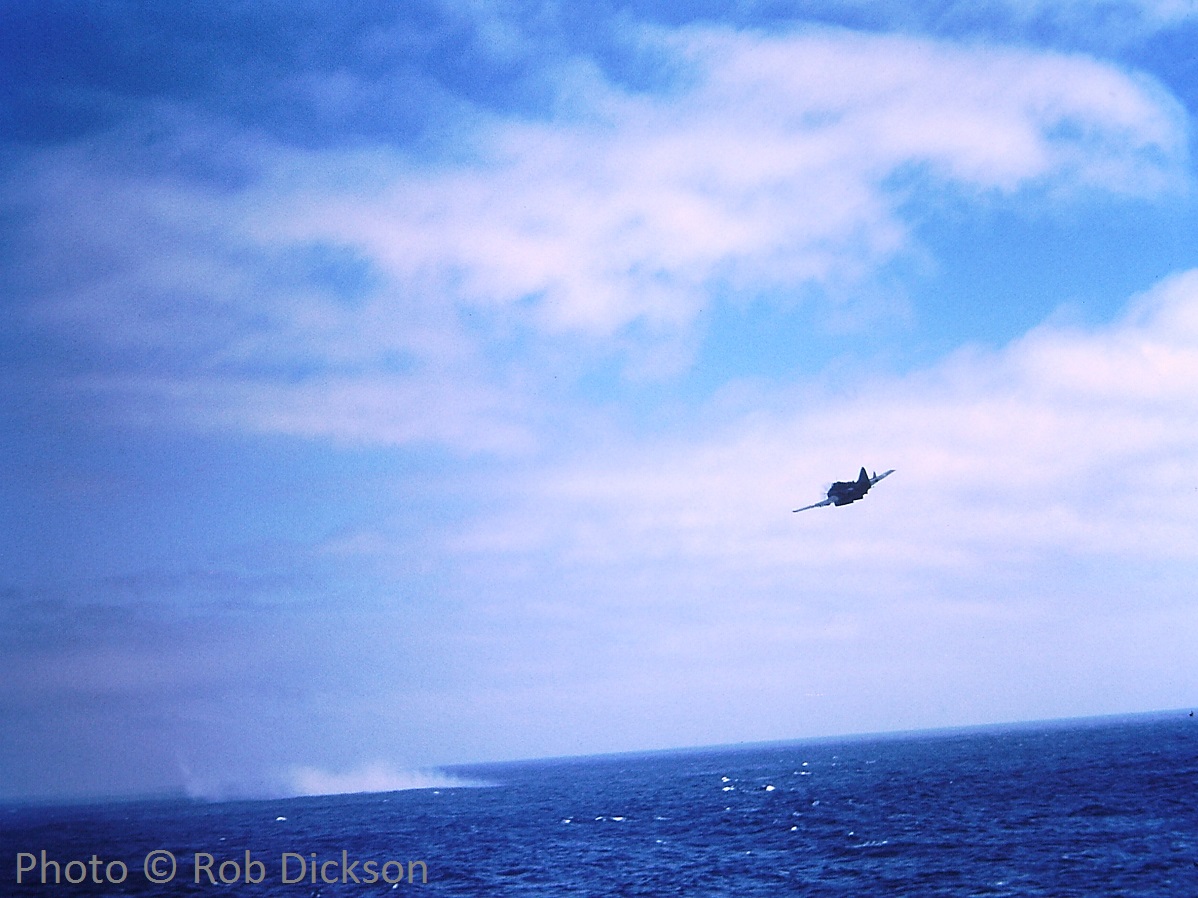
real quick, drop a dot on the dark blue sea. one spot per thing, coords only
(1087, 808)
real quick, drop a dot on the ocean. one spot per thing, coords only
(1103, 807)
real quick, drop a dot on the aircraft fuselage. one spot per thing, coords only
(845, 491)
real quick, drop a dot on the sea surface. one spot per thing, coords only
(1088, 808)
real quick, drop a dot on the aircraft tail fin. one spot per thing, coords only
(863, 477)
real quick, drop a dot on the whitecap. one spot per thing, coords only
(873, 843)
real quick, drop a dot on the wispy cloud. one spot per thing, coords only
(340, 293)
(1068, 441)
(1140, 16)
(1040, 519)
(1104, 24)
(767, 167)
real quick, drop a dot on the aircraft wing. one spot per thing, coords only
(816, 505)
(878, 477)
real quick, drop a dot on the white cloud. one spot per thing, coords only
(1067, 443)
(1032, 556)
(418, 409)
(769, 168)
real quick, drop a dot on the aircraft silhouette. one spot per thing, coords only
(845, 491)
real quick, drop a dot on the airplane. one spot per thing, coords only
(845, 491)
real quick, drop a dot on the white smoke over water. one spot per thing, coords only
(303, 781)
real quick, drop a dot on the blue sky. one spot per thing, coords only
(403, 385)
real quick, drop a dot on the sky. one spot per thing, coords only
(392, 386)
